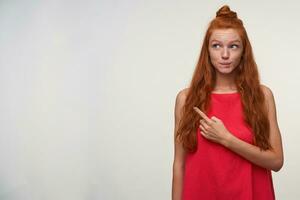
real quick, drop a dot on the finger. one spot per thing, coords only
(204, 124)
(197, 110)
(202, 114)
(203, 129)
(202, 132)
(215, 119)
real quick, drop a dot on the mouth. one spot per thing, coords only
(227, 63)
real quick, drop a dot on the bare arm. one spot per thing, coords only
(179, 152)
(270, 159)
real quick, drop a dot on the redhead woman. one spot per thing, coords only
(227, 140)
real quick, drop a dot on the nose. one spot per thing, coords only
(225, 53)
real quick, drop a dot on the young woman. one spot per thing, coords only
(227, 140)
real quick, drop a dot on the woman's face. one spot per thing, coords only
(225, 50)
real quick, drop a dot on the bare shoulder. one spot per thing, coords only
(267, 91)
(180, 102)
(269, 97)
(181, 97)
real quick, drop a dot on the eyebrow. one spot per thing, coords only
(229, 41)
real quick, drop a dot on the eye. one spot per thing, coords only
(215, 45)
(234, 46)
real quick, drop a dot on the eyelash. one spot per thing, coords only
(215, 45)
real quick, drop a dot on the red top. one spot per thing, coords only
(214, 172)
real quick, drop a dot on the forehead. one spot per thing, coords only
(225, 35)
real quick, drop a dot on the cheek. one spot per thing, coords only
(213, 56)
(237, 58)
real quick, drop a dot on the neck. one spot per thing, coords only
(225, 82)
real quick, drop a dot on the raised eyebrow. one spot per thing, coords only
(229, 41)
(235, 41)
(215, 41)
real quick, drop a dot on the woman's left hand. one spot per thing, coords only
(213, 128)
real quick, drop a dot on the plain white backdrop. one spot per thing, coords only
(88, 92)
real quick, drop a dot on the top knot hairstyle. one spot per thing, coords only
(226, 12)
(247, 82)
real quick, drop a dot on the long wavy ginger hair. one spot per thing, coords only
(247, 82)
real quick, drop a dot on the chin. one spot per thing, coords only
(225, 70)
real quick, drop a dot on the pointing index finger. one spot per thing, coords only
(202, 114)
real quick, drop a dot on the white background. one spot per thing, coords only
(88, 92)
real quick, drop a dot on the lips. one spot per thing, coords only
(225, 63)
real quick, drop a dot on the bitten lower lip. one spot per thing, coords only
(225, 63)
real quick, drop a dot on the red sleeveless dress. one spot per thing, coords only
(214, 172)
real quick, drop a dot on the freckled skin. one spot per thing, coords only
(225, 46)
